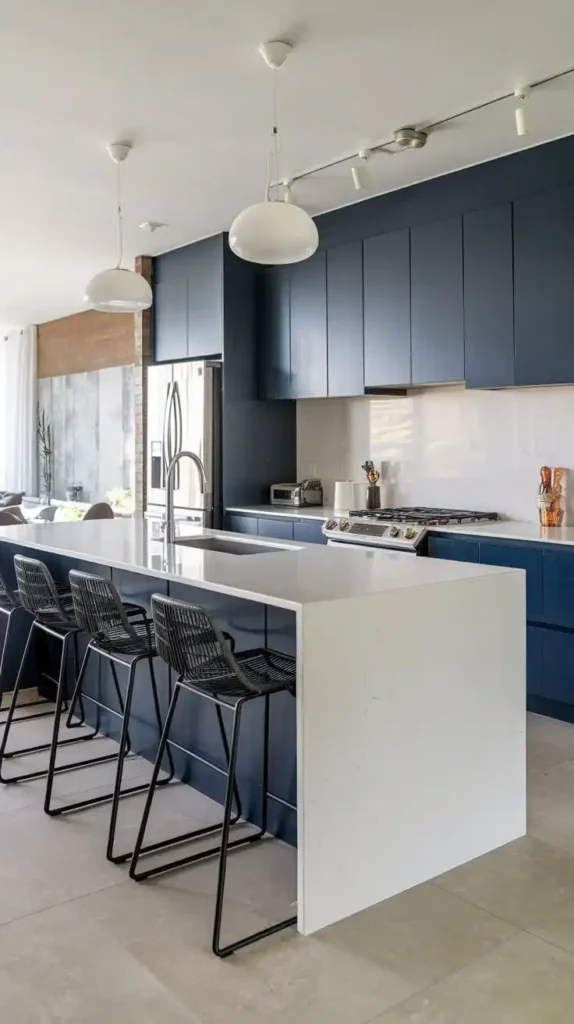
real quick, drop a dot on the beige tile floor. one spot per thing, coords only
(489, 943)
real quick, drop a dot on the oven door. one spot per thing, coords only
(370, 547)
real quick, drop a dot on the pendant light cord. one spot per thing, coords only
(120, 226)
(273, 155)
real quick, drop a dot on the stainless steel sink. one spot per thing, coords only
(227, 547)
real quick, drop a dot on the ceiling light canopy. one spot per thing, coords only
(276, 231)
(118, 290)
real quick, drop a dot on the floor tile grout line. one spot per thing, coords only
(62, 903)
(497, 917)
(451, 974)
(549, 942)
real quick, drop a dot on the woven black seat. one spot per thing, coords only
(194, 646)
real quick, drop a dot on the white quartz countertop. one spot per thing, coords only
(508, 529)
(320, 512)
(287, 574)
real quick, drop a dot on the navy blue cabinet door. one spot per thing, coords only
(457, 549)
(543, 276)
(282, 529)
(534, 660)
(308, 532)
(488, 298)
(558, 658)
(309, 327)
(170, 319)
(242, 524)
(205, 298)
(437, 329)
(519, 556)
(345, 320)
(387, 309)
(559, 586)
(274, 330)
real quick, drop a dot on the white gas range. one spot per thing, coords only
(395, 529)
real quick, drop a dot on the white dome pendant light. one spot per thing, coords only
(275, 231)
(119, 290)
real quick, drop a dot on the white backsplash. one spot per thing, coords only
(444, 446)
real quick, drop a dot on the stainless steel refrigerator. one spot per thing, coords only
(184, 414)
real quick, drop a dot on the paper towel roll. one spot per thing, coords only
(344, 495)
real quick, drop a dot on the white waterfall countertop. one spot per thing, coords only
(410, 695)
(286, 574)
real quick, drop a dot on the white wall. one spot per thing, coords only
(444, 446)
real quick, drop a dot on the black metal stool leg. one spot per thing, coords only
(119, 757)
(159, 722)
(120, 698)
(218, 949)
(11, 615)
(138, 848)
(185, 837)
(14, 701)
(225, 742)
(124, 743)
(77, 693)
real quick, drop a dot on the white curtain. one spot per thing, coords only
(18, 460)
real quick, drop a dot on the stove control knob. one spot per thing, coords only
(410, 532)
(331, 524)
(394, 531)
(345, 525)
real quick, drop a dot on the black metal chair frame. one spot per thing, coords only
(11, 607)
(231, 794)
(123, 613)
(64, 629)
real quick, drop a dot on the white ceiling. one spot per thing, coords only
(183, 80)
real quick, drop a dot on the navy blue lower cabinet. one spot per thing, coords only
(558, 666)
(281, 529)
(242, 524)
(309, 532)
(518, 555)
(559, 586)
(535, 661)
(455, 548)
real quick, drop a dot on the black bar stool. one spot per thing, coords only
(11, 608)
(53, 615)
(99, 611)
(52, 611)
(192, 644)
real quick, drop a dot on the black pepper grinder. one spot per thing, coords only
(373, 491)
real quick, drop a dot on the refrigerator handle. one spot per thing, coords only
(178, 419)
(167, 455)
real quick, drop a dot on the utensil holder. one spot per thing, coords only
(373, 496)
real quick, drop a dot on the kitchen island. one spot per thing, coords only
(404, 751)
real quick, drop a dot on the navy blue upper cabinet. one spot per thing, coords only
(437, 326)
(205, 298)
(488, 302)
(309, 327)
(170, 318)
(274, 332)
(345, 320)
(387, 309)
(188, 301)
(543, 276)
